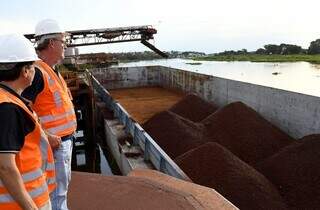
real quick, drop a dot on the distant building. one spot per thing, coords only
(72, 56)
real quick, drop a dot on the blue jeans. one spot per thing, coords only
(46, 206)
(62, 157)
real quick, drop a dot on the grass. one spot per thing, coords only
(261, 58)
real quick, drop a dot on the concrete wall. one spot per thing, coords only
(125, 77)
(297, 114)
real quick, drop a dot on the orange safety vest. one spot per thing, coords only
(53, 105)
(34, 161)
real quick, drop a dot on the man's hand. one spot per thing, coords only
(54, 141)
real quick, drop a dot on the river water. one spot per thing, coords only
(301, 77)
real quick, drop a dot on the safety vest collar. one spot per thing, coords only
(11, 91)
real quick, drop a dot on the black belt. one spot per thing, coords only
(68, 137)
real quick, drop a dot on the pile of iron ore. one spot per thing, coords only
(236, 151)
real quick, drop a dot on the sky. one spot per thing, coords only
(204, 25)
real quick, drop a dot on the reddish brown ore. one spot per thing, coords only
(90, 191)
(245, 133)
(214, 166)
(193, 108)
(144, 102)
(295, 170)
(290, 165)
(174, 134)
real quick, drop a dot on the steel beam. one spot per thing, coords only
(110, 35)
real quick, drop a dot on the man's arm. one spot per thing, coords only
(12, 180)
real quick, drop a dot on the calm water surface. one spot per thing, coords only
(301, 77)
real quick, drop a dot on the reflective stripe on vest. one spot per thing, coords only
(29, 176)
(57, 129)
(44, 153)
(50, 167)
(46, 166)
(57, 99)
(50, 118)
(6, 198)
(51, 81)
(51, 181)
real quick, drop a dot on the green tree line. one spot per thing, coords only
(282, 49)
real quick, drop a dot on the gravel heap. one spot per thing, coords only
(214, 166)
(193, 108)
(173, 133)
(295, 171)
(245, 133)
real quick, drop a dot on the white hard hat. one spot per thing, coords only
(15, 48)
(48, 26)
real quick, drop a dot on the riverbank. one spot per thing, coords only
(261, 58)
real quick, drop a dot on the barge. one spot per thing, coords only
(123, 99)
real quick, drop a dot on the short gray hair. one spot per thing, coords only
(43, 41)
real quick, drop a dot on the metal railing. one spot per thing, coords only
(152, 151)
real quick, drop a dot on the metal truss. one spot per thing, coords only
(110, 35)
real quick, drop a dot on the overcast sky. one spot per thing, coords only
(203, 25)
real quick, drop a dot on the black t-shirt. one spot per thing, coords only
(15, 124)
(35, 88)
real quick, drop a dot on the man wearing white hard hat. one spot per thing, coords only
(25, 154)
(51, 100)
